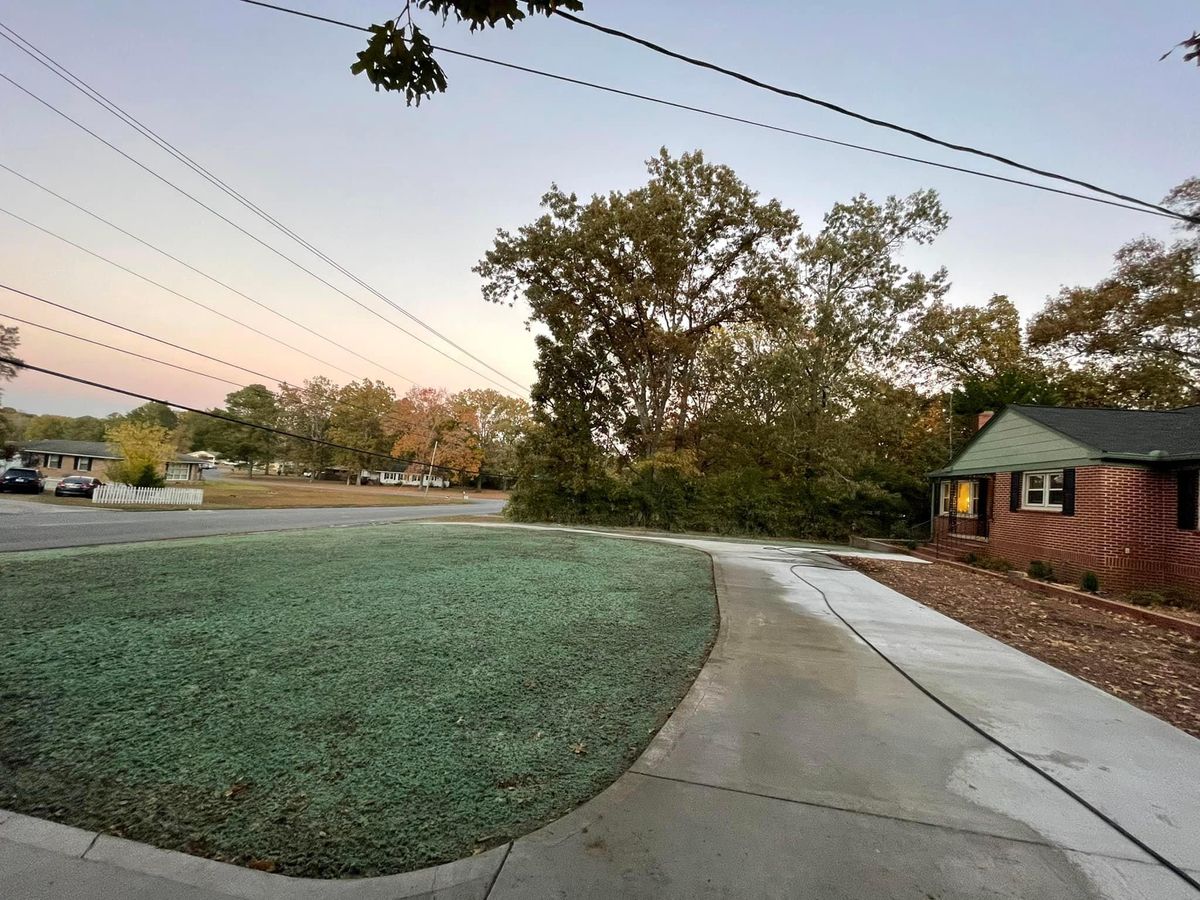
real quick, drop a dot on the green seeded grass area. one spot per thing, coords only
(339, 702)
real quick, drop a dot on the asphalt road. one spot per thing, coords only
(36, 526)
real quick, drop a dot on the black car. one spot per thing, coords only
(22, 481)
(77, 486)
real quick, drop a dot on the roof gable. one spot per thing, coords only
(1012, 442)
(1023, 437)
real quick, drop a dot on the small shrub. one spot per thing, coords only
(1041, 570)
(912, 545)
(1090, 582)
(1164, 596)
(990, 563)
(1145, 598)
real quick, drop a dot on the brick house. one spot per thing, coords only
(58, 459)
(1110, 491)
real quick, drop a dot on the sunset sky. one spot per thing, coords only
(409, 198)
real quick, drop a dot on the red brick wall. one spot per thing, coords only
(1124, 530)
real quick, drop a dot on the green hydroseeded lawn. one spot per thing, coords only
(341, 702)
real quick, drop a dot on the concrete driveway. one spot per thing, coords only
(804, 764)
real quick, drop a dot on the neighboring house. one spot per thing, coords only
(57, 459)
(410, 478)
(1111, 491)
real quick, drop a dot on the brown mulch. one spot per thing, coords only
(1154, 668)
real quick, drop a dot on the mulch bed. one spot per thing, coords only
(1154, 668)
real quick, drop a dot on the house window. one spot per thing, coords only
(1042, 490)
(54, 461)
(83, 463)
(963, 495)
(179, 472)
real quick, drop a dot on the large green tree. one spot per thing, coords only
(358, 419)
(629, 286)
(308, 410)
(153, 413)
(255, 404)
(495, 424)
(1133, 339)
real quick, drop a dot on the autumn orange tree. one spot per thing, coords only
(425, 417)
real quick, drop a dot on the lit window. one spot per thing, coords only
(1042, 490)
(965, 496)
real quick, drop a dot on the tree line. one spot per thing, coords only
(475, 432)
(705, 362)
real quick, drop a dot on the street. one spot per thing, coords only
(37, 526)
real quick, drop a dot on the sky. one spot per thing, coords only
(410, 198)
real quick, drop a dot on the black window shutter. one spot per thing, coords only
(1189, 499)
(1014, 493)
(981, 508)
(1068, 492)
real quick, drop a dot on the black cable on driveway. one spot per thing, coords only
(1015, 754)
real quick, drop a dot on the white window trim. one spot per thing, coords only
(1045, 506)
(944, 498)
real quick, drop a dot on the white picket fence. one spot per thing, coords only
(127, 494)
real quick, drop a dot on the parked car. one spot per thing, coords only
(77, 486)
(22, 481)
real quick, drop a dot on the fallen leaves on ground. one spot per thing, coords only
(1152, 667)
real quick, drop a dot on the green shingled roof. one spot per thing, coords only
(1173, 434)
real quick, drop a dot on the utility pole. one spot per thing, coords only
(432, 460)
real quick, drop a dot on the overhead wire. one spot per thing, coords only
(634, 95)
(50, 106)
(882, 123)
(79, 337)
(132, 121)
(214, 414)
(210, 277)
(149, 337)
(169, 290)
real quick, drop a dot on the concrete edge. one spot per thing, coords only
(64, 840)
(238, 881)
(249, 884)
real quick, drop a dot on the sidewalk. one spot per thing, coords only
(800, 765)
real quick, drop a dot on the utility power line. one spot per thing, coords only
(12, 361)
(129, 119)
(182, 296)
(50, 106)
(882, 123)
(79, 337)
(141, 334)
(211, 278)
(283, 382)
(633, 95)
